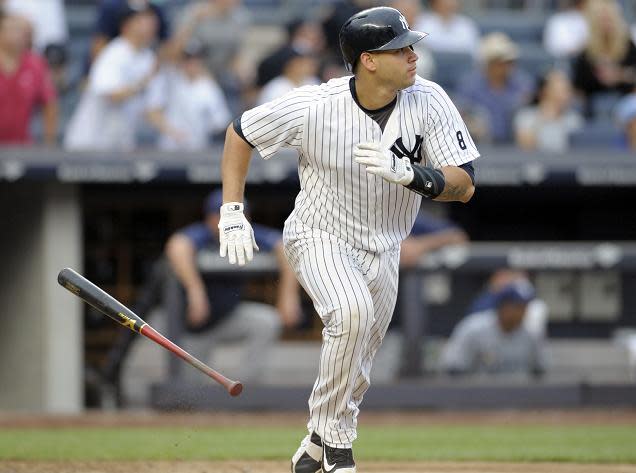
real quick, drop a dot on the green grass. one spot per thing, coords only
(602, 444)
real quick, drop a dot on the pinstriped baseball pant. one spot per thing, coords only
(354, 292)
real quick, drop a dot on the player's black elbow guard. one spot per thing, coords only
(427, 182)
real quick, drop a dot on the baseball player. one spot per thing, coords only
(370, 146)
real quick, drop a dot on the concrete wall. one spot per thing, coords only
(41, 345)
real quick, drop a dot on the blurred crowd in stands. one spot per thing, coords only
(172, 74)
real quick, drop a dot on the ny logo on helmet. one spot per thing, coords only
(403, 21)
(400, 150)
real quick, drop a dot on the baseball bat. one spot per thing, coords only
(111, 307)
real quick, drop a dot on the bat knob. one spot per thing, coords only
(235, 388)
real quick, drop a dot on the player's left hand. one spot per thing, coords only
(383, 163)
(236, 236)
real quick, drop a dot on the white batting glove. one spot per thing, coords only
(236, 236)
(383, 163)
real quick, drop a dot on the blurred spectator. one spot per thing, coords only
(25, 82)
(218, 24)
(303, 37)
(57, 58)
(626, 119)
(110, 110)
(536, 317)
(429, 233)
(50, 34)
(608, 63)
(566, 32)
(185, 104)
(495, 341)
(449, 31)
(298, 70)
(48, 18)
(411, 9)
(216, 311)
(547, 125)
(490, 96)
(109, 16)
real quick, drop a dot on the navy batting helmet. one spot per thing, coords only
(375, 29)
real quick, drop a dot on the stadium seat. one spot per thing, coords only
(535, 60)
(521, 28)
(450, 68)
(596, 134)
(81, 20)
(603, 105)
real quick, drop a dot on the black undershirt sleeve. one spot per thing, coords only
(239, 131)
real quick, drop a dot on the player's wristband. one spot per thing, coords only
(427, 182)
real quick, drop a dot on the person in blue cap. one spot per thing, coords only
(215, 310)
(495, 340)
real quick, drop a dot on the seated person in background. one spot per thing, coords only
(566, 32)
(111, 108)
(219, 25)
(547, 125)
(626, 119)
(608, 63)
(495, 341)
(429, 233)
(448, 30)
(108, 22)
(298, 69)
(490, 96)
(303, 36)
(185, 104)
(25, 83)
(215, 311)
(536, 317)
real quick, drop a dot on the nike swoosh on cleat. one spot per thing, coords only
(327, 467)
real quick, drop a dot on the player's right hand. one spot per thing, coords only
(236, 236)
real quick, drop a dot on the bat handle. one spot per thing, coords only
(233, 387)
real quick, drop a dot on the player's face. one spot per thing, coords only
(397, 67)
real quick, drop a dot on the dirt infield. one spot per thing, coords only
(283, 467)
(382, 418)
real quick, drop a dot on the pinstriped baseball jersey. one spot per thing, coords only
(342, 238)
(338, 198)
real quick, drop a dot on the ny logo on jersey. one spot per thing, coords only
(400, 150)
